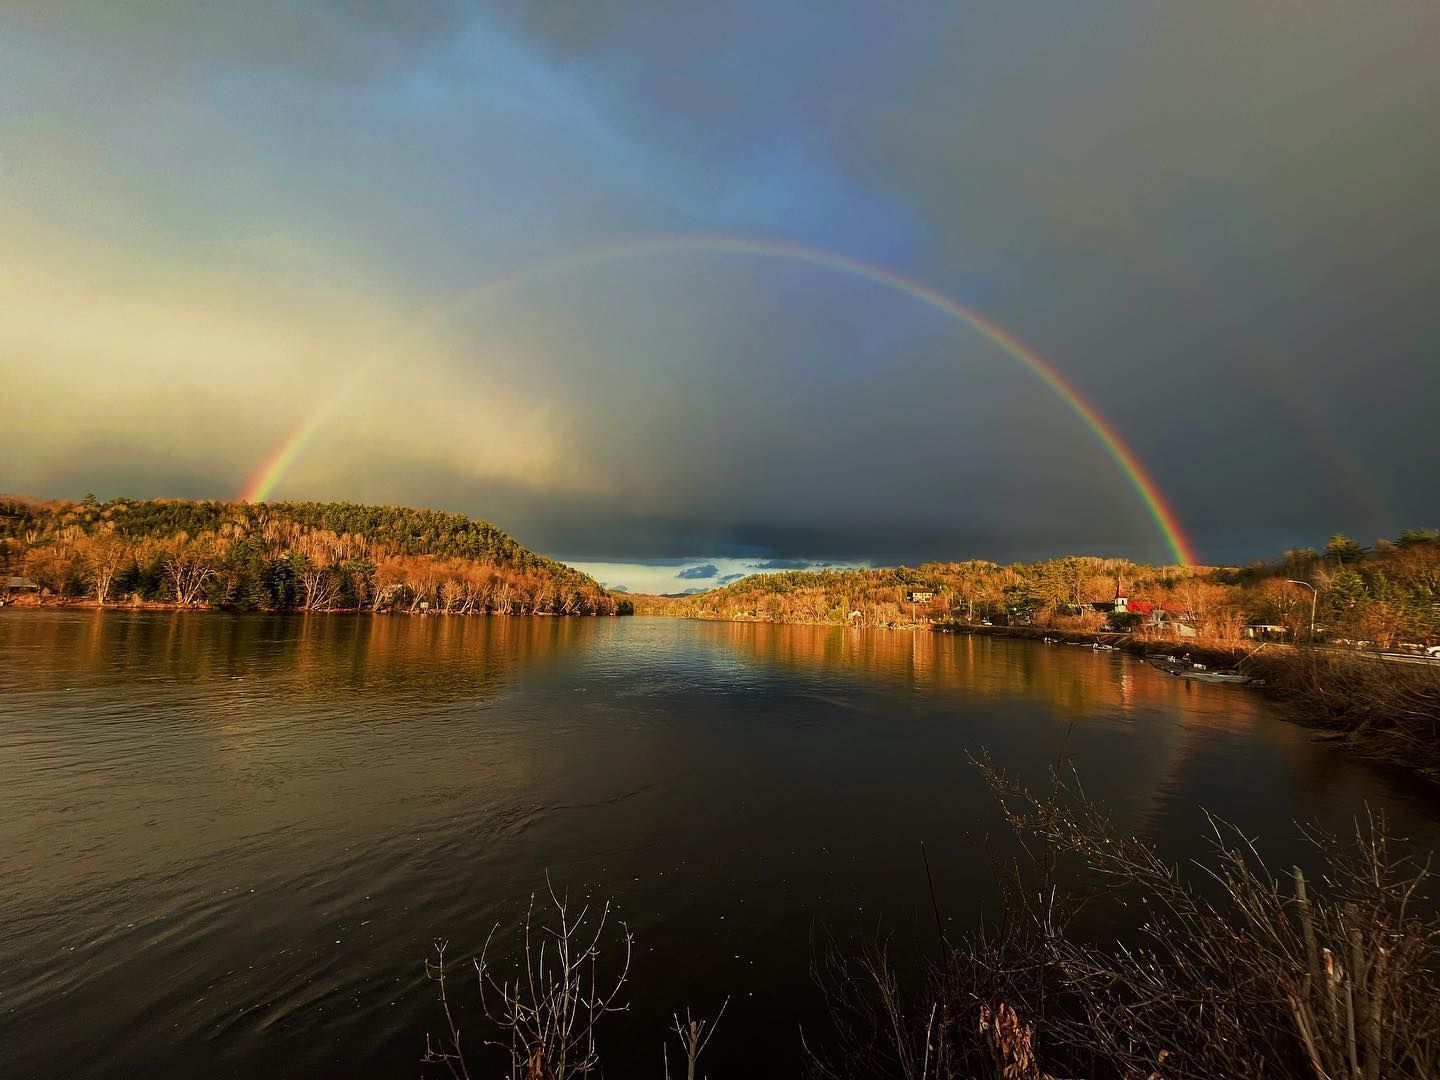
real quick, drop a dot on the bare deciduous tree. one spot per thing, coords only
(103, 554)
(189, 566)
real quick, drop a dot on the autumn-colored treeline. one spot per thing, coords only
(1388, 594)
(279, 556)
(1056, 593)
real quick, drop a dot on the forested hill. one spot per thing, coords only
(1387, 595)
(275, 556)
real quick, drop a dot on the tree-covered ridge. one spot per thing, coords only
(973, 590)
(1388, 594)
(320, 556)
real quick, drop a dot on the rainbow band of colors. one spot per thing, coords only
(272, 470)
(274, 467)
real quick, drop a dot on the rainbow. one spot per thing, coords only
(261, 484)
(264, 480)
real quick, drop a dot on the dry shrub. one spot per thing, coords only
(540, 1021)
(1236, 973)
(544, 1014)
(965, 1017)
(1391, 710)
(694, 1035)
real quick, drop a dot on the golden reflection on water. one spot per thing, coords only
(420, 656)
(1188, 743)
(424, 660)
(1069, 678)
(115, 702)
(122, 728)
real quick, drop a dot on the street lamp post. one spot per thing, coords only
(1314, 599)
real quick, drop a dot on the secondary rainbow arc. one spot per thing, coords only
(275, 465)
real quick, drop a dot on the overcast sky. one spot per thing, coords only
(1219, 221)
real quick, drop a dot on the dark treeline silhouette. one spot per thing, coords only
(281, 556)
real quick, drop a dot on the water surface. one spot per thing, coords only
(227, 843)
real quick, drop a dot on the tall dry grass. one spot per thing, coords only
(1222, 968)
(1388, 710)
(1232, 970)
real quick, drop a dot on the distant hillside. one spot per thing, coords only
(278, 556)
(1388, 594)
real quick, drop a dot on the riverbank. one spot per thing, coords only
(1389, 712)
(1386, 712)
(50, 603)
(1212, 654)
(75, 603)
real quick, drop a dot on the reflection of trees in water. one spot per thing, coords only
(1070, 679)
(423, 659)
(1169, 724)
(250, 748)
(245, 677)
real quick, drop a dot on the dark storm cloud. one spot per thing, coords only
(698, 573)
(127, 468)
(784, 564)
(323, 41)
(726, 579)
(1216, 220)
(585, 527)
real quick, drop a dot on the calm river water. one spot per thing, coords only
(227, 843)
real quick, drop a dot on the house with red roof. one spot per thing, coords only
(1151, 612)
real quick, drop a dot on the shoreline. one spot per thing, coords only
(1354, 701)
(1377, 711)
(80, 604)
(1212, 653)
